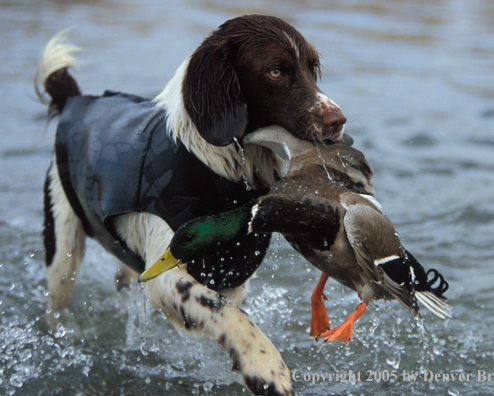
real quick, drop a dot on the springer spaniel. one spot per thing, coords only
(128, 171)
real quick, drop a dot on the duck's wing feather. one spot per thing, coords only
(380, 254)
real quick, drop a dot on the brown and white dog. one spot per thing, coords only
(128, 172)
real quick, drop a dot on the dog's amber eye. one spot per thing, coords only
(275, 73)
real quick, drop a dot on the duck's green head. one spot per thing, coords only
(200, 238)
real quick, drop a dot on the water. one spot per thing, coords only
(416, 81)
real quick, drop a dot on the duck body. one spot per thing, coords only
(325, 207)
(309, 206)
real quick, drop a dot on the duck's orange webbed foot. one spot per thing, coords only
(319, 322)
(344, 331)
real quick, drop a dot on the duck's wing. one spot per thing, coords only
(380, 253)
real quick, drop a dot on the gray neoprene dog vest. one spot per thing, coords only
(115, 156)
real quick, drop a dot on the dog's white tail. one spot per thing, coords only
(51, 75)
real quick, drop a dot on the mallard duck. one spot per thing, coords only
(326, 209)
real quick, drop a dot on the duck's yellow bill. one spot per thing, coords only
(164, 263)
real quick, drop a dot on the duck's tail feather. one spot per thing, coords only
(422, 281)
(429, 290)
(437, 305)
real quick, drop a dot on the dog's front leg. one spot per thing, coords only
(192, 306)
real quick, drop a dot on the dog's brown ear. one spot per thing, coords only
(212, 94)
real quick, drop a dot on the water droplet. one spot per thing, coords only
(257, 252)
(241, 149)
(60, 331)
(16, 380)
(142, 346)
(394, 362)
(86, 370)
(324, 165)
(208, 386)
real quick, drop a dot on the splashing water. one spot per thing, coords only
(342, 162)
(324, 164)
(247, 185)
(142, 347)
(239, 146)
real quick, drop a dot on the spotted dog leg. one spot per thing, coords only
(188, 304)
(197, 309)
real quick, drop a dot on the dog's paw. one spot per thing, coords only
(256, 359)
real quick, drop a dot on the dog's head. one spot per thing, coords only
(255, 71)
